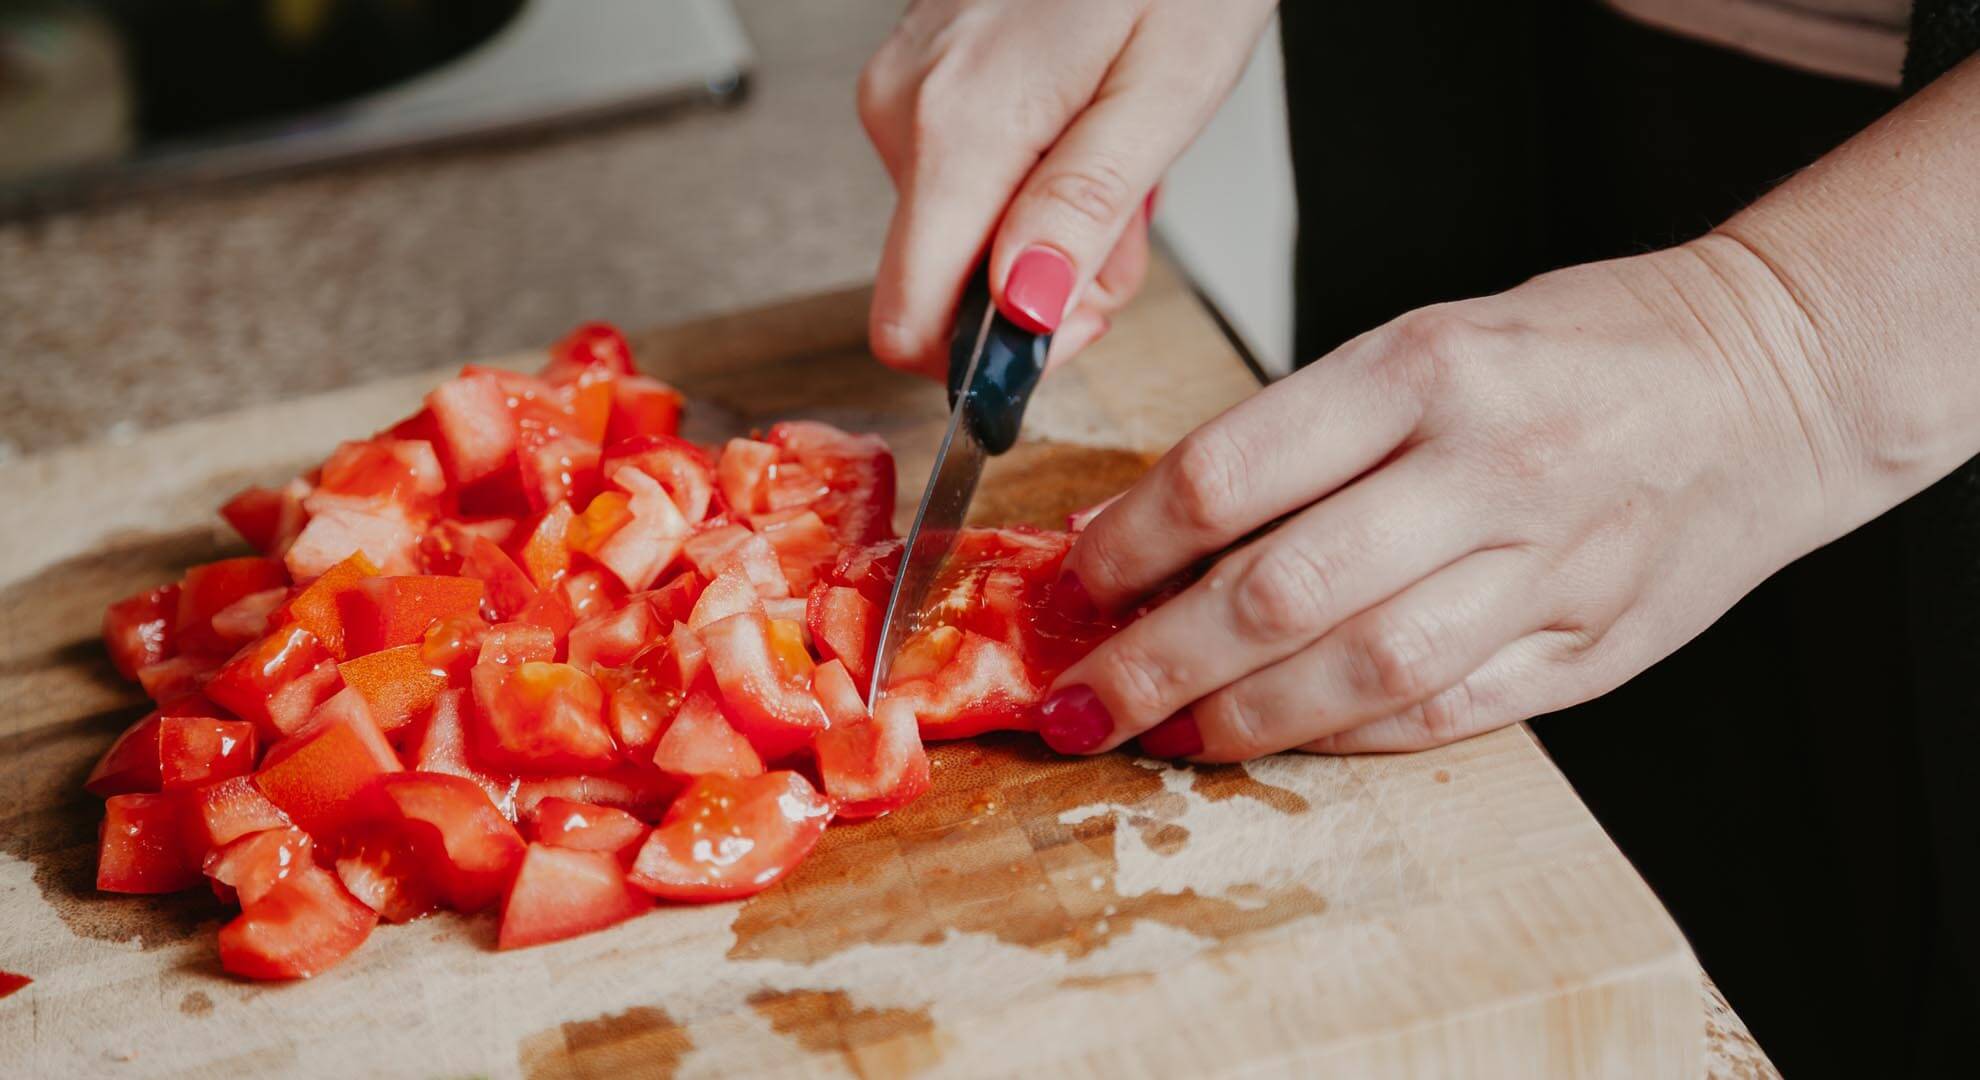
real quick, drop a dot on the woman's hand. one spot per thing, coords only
(1493, 509)
(1037, 128)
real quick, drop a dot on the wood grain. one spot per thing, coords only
(1451, 913)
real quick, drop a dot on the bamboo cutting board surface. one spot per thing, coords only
(1457, 912)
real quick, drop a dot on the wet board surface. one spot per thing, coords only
(1457, 912)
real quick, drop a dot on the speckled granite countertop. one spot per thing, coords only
(143, 313)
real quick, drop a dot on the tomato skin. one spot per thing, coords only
(318, 607)
(726, 838)
(701, 742)
(225, 811)
(141, 630)
(267, 518)
(248, 682)
(845, 626)
(383, 612)
(642, 406)
(316, 775)
(567, 823)
(766, 689)
(207, 589)
(869, 764)
(396, 684)
(470, 847)
(144, 846)
(562, 892)
(540, 718)
(477, 427)
(303, 926)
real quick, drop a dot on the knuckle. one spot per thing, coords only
(1390, 661)
(1233, 727)
(893, 341)
(1095, 193)
(1206, 485)
(1447, 717)
(1141, 682)
(1284, 594)
(1426, 346)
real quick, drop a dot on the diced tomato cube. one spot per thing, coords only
(397, 684)
(402, 471)
(859, 470)
(225, 811)
(267, 518)
(681, 467)
(642, 406)
(145, 845)
(804, 546)
(869, 764)
(590, 593)
(131, 763)
(291, 707)
(981, 686)
(249, 617)
(743, 474)
(556, 467)
(383, 868)
(646, 542)
(845, 626)
(641, 792)
(701, 742)
(304, 925)
(314, 775)
(458, 832)
(210, 588)
(674, 601)
(252, 863)
(792, 487)
(383, 612)
(452, 645)
(727, 594)
(540, 718)
(566, 823)
(141, 630)
(514, 644)
(732, 547)
(477, 425)
(318, 607)
(169, 680)
(765, 677)
(438, 743)
(592, 346)
(561, 892)
(194, 750)
(726, 838)
(545, 555)
(611, 639)
(507, 589)
(248, 682)
(382, 531)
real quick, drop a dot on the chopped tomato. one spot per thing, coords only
(701, 742)
(869, 764)
(303, 926)
(732, 547)
(382, 612)
(642, 406)
(314, 775)
(845, 626)
(397, 684)
(246, 868)
(476, 425)
(318, 607)
(249, 681)
(648, 539)
(131, 763)
(567, 823)
(980, 685)
(611, 639)
(804, 546)
(513, 644)
(383, 869)
(765, 676)
(507, 589)
(339, 529)
(145, 845)
(729, 593)
(680, 466)
(593, 346)
(249, 617)
(437, 743)
(210, 588)
(267, 518)
(562, 892)
(743, 473)
(402, 471)
(727, 838)
(193, 750)
(140, 630)
(641, 792)
(540, 718)
(228, 810)
(452, 645)
(859, 470)
(646, 692)
(470, 848)
(590, 592)
(545, 554)
(169, 680)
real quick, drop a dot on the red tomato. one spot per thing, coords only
(145, 846)
(340, 528)
(208, 589)
(727, 594)
(246, 868)
(743, 473)
(845, 626)
(765, 677)
(869, 765)
(318, 607)
(642, 406)
(540, 718)
(314, 775)
(437, 743)
(131, 763)
(646, 541)
(267, 518)
(397, 684)
(507, 589)
(674, 601)
(594, 345)
(194, 750)
(383, 869)
(544, 555)
(228, 810)
(643, 793)
(591, 592)
(701, 742)
(566, 823)
(714, 551)
(859, 469)
(561, 892)
(303, 926)
(291, 706)
(980, 685)
(453, 644)
(140, 630)
(476, 423)
(681, 467)
(470, 849)
(647, 691)
(169, 680)
(727, 838)
(382, 612)
(513, 644)
(249, 617)
(402, 471)
(250, 680)
(804, 546)
(611, 639)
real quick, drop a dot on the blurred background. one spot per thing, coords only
(210, 203)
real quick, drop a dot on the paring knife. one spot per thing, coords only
(994, 364)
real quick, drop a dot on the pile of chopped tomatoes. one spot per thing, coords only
(529, 648)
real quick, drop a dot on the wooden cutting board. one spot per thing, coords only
(1457, 912)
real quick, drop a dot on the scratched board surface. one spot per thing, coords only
(1457, 912)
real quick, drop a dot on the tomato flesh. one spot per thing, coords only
(303, 926)
(468, 846)
(567, 823)
(765, 679)
(141, 630)
(144, 847)
(869, 764)
(561, 892)
(726, 838)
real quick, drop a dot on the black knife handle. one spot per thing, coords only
(1013, 361)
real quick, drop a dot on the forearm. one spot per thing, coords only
(1872, 257)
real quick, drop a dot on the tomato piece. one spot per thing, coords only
(642, 406)
(476, 423)
(507, 590)
(870, 570)
(194, 750)
(674, 601)
(648, 540)
(765, 677)
(701, 742)
(382, 868)
(729, 593)
(396, 684)
(318, 607)
(144, 847)
(315, 775)
(303, 926)
(567, 823)
(591, 346)
(208, 589)
(545, 554)
(540, 718)
(247, 683)
(471, 847)
(249, 617)
(869, 764)
(804, 546)
(641, 792)
(383, 612)
(732, 547)
(726, 838)
(514, 644)
(681, 467)
(845, 626)
(589, 593)
(131, 763)
(646, 693)
(452, 645)
(562, 892)
(291, 706)
(338, 529)
(267, 518)
(141, 630)
(611, 639)
(438, 743)
(246, 868)
(982, 685)
(169, 680)
(402, 471)
(859, 470)
(225, 811)
(743, 474)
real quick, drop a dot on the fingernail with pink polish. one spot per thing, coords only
(1073, 721)
(1177, 737)
(1036, 291)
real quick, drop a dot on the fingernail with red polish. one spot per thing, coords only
(1073, 721)
(1176, 737)
(1036, 291)
(1071, 601)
